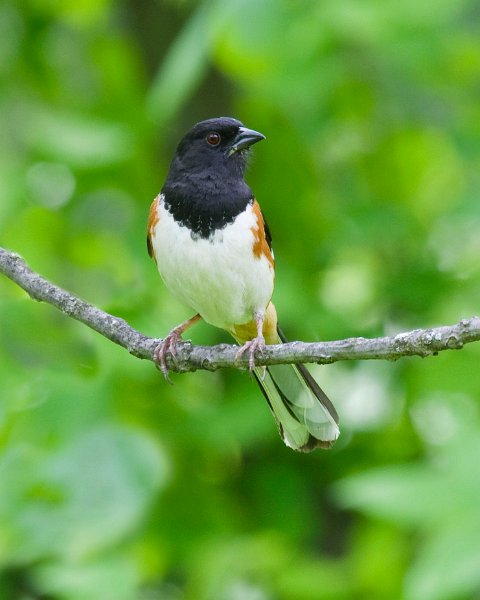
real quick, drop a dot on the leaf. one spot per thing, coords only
(439, 501)
(448, 562)
(186, 61)
(408, 495)
(82, 498)
(77, 139)
(116, 473)
(110, 577)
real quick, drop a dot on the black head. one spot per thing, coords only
(205, 188)
(221, 145)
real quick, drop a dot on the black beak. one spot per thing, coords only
(244, 139)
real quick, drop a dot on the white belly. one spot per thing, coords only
(219, 277)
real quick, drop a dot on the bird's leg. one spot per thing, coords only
(168, 345)
(257, 344)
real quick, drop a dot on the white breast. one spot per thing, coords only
(219, 277)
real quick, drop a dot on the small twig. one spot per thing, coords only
(420, 342)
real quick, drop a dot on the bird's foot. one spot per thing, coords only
(255, 345)
(168, 344)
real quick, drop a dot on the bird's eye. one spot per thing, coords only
(213, 138)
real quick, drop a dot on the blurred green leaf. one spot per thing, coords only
(437, 499)
(446, 566)
(187, 61)
(80, 141)
(110, 578)
(81, 499)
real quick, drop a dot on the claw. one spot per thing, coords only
(160, 353)
(169, 344)
(255, 345)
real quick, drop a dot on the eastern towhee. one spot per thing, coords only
(212, 247)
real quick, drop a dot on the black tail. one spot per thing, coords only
(305, 416)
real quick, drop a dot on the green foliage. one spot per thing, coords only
(114, 484)
(436, 498)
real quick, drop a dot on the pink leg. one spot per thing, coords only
(168, 345)
(258, 343)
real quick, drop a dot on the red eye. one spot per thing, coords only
(213, 138)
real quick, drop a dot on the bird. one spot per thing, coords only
(213, 249)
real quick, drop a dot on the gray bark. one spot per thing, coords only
(420, 342)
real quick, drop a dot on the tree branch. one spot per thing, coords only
(420, 342)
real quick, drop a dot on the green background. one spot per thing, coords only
(114, 485)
